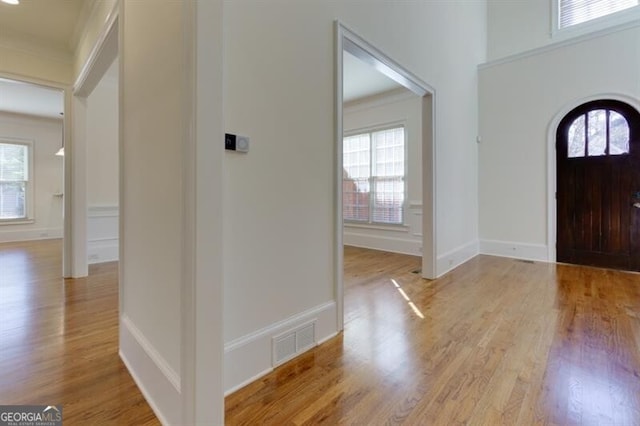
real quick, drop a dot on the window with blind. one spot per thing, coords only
(14, 180)
(374, 177)
(574, 12)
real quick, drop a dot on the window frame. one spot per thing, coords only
(626, 110)
(586, 152)
(370, 130)
(629, 16)
(30, 187)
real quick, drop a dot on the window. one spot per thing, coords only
(598, 132)
(574, 12)
(373, 176)
(15, 180)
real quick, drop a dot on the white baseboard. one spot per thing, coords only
(248, 358)
(456, 257)
(9, 235)
(379, 242)
(247, 381)
(539, 252)
(159, 384)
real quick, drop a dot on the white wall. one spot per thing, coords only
(102, 168)
(405, 108)
(279, 208)
(46, 135)
(518, 101)
(151, 201)
(102, 141)
(517, 25)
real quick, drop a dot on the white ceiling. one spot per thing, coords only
(24, 98)
(51, 23)
(47, 25)
(54, 23)
(361, 80)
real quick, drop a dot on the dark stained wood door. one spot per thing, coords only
(598, 186)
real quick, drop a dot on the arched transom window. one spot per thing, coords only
(598, 132)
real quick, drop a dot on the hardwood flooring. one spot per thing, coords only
(496, 342)
(59, 339)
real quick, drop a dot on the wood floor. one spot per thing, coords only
(495, 342)
(59, 339)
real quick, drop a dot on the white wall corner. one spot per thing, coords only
(250, 357)
(157, 381)
(516, 250)
(456, 257)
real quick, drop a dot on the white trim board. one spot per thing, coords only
(453, 258)
(515, 250)
(248, 358)
(384, 243)
(380, 99)
(560, 44)
(159, 384)
(7, 235)
(103, 211)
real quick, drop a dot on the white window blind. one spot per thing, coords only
(373, 176)
(14, 179)
(573, 12)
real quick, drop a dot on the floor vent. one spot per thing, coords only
(525, 261)
(293, 342)
(417, 271)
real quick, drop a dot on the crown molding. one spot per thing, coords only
(384, 98)
(34, 46)
(80, 30)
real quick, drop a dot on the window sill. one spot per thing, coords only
(393, 228)
(16, 221)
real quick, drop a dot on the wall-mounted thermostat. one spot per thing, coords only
(236, 143)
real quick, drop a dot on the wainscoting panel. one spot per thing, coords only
(102, 234)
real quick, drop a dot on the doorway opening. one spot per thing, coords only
(94, 155)
(31, 170)
(369, 198)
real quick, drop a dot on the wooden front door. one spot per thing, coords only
(598, 186)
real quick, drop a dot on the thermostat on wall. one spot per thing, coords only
(236, 143)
